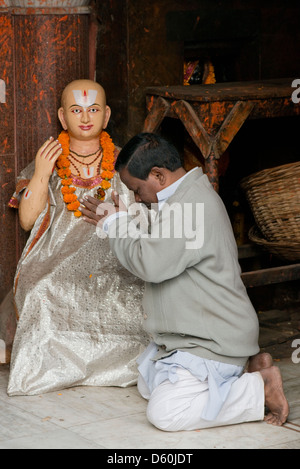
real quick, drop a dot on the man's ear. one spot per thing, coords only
(61, 117)
(159, 174)
(107, 116)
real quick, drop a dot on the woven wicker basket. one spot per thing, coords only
(274, 197)
(287, 251)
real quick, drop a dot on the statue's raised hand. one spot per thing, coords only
(46, 157)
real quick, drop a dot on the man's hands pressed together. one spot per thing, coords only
(95, 211)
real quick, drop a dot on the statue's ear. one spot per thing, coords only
(61, 117)
(107, 116)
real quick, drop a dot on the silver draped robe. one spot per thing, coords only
(80, 311)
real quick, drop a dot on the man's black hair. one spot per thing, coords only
(146, 150)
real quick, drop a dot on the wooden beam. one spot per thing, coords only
(231, 125)
(270, 276)
(156, 115)
(192, 123)
(212, 169)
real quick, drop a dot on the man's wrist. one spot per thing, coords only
(111, 218)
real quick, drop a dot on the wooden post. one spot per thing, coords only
(41, 51)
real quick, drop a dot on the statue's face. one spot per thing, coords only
(84, 112)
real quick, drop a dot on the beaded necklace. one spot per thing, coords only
(88, 172)
(64, 172)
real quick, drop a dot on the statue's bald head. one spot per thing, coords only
(84, 86)
(82, 102)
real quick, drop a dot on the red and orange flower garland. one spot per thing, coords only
(64, 172)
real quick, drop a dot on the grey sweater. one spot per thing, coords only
(194, 298)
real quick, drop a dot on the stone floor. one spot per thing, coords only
(114, 418)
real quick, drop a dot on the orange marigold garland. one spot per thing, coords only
(64, 172)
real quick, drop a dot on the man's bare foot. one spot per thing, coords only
(275, 399)
(259, 362)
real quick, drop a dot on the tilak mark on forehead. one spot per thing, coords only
(86, 99)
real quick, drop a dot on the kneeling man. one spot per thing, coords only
(203, 325)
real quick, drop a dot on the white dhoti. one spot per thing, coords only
(184, 401)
